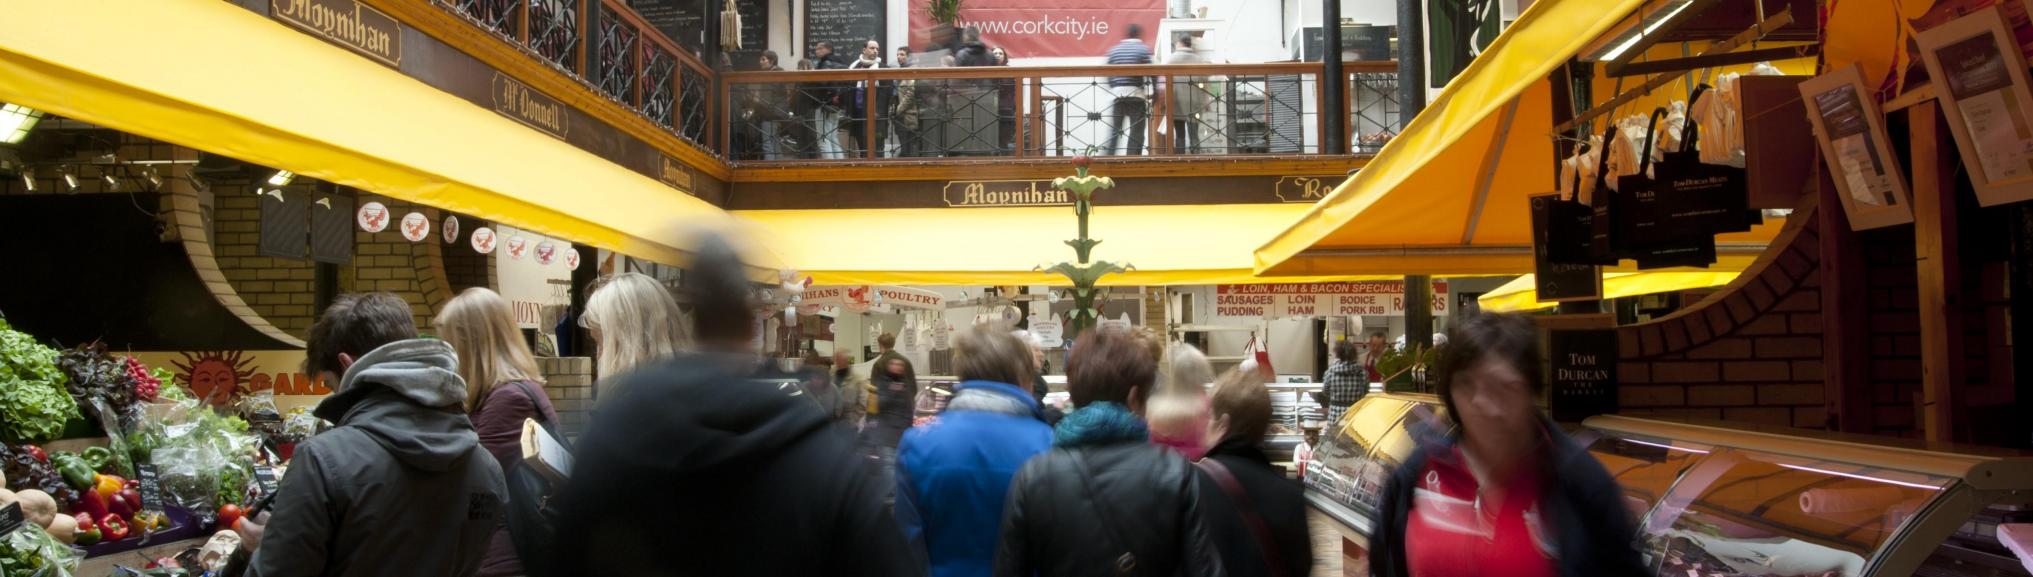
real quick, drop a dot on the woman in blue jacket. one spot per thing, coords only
(954, 473)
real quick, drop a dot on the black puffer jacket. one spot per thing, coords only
(695, 468)
(1591, 528)
(1083, 511)
(1279, 501)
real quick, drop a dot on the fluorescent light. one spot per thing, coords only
(1613, 53)
(1666, 447)
(281, 178)
(28, 179)
(15, 122)
(1861, 477)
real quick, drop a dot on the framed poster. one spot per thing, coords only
(1986, 98)
(1851, 130)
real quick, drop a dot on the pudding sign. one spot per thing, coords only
(1369, 298)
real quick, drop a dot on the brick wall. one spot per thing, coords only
(569, 382)
(1749, 353)
(279, 289)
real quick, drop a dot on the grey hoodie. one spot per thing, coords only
(400, 487)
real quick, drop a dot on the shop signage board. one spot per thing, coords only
(1372, 298)
(674, 173)
(1051, 331)
(1305, 188)
(534, 109)
(1554, 281)
(861, 298)
(11, 519)
(1851, 130)
(347, 23)
(150, 487)
(999, 193)
(942, 336)
(1986, 99)
(1584, 372)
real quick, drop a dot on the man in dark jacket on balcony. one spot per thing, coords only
(403, 456)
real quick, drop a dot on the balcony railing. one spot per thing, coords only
(1214, 109)
(1148, 110)
(613, 51)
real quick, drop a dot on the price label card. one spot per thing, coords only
(151, 487)
(11, 519)
(264, 476)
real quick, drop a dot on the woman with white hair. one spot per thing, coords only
(1178, 412)
(634, 322)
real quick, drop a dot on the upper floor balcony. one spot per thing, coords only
(927, 113)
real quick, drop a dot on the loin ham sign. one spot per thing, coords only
(1366, 298)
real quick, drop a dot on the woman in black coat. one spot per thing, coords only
(1105, 501)
(1256, 515)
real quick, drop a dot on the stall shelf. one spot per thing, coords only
(1733, 499)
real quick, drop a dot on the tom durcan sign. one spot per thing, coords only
(347, 23)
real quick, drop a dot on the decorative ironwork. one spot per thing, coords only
(498, 16)
(617, 45)
(1086, 272)
(657, 96)
(554, 31)
(1375, 117)
(693, 90)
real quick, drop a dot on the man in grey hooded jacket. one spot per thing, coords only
(401, 486)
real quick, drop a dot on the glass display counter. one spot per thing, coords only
(1715, 499)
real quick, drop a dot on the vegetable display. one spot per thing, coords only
(33, 406)
(94, 374)
(31, 552)
(26, 469)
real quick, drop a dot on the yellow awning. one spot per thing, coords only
(211, 76)
(1169, 245)
(1519, 294)
(1448, 195)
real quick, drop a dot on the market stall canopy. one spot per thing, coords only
(1169, 245)
(1520, 296)
(212, 76)
(1448, 196)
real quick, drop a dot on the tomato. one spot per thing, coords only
(229, 515)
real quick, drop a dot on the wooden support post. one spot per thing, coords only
(1845, 342)
(1940, 272)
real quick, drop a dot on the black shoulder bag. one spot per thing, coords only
(532, 518)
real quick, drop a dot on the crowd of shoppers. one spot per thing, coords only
(700, 460)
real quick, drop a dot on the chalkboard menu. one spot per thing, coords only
(754, 33)
(684, 21)
(846, 24)
(11, 518)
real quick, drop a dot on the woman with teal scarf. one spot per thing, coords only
(1104, 501)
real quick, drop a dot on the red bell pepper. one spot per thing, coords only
(36, 452)
(91, 503)
(112, 527)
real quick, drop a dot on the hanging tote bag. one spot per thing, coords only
(1570, 223)
(1690, 198)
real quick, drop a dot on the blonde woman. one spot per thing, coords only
(503, 388)
(1178, 411)
(635, 322)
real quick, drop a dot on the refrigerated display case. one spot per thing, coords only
(1716, 499)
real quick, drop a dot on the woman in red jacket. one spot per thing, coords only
(503, 387)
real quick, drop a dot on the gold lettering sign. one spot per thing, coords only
(347, 23)
(518, 101)
(1306, 188)
(979, 193)
(674, 173)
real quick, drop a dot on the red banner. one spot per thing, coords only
(1047, 28)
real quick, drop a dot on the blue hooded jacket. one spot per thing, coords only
(953, 475)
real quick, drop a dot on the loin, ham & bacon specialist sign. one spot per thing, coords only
(1364, 298)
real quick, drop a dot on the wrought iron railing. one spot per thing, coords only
(610, 48)
(1040, 111)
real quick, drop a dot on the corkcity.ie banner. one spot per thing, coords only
(1047, 28)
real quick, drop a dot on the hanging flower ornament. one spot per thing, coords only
(1084, 273)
